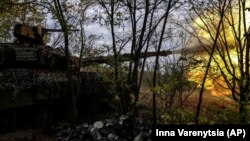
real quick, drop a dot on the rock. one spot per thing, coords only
(122, 118)
(109, 122)
(108, 130)
(98, 137)
(94, 131)
(66, 131)
(85, 125)
(98, 124)
(121, 139)
(105, 131)
(75, 140)
(138, 137)
(112, 137)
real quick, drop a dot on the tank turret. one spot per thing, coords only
(34, 35)
(29, 49)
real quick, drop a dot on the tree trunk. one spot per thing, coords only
(208, 64)
(242, 105)
(63, 23)
(156, 68)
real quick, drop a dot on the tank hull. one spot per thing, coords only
(42, 96)
(17, 56)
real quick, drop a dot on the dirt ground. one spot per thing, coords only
(26, 135)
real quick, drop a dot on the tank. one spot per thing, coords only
(29, 50)
(33, 81)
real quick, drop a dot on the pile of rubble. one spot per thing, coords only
(124, 128)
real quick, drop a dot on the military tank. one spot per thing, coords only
(29, 49)
(33, 80)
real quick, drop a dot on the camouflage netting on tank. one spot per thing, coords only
(28, 86)
(24, 78)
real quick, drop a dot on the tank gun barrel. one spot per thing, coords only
(59, 30)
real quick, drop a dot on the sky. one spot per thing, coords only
(102, 32)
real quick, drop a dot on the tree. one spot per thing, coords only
(59, 13)
(13, 11)
(142, 37)
(144, 18)
(223, 26)
(170, 5)
(111, 7)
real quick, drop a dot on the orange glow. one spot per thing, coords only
(226, 44)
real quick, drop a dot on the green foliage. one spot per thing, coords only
(174, 87)
(12, 11)
(222, 116)
(118, 91)
(177, 116)
(210, 115)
